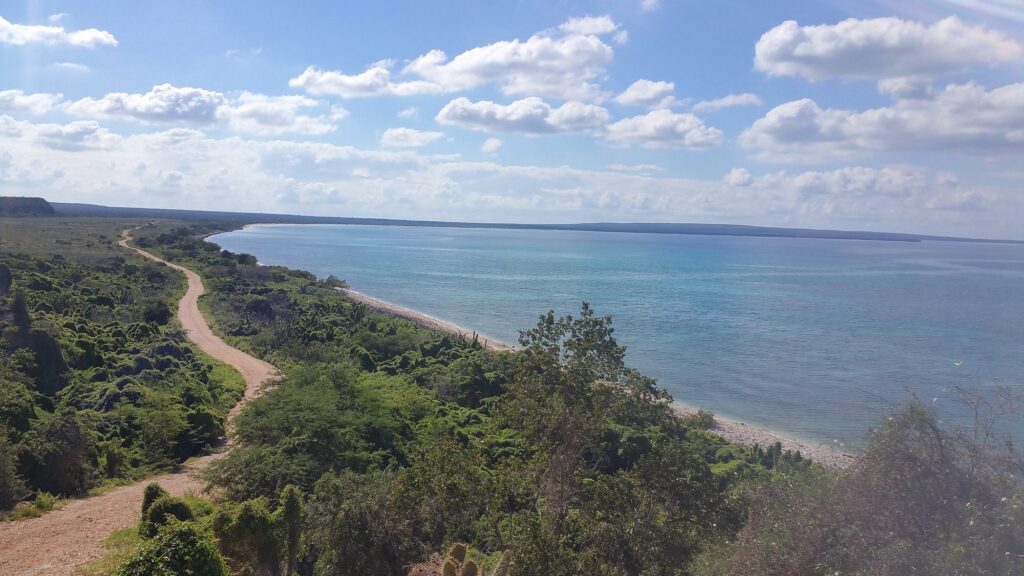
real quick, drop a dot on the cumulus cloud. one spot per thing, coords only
(596, 25)
(408, 138)
(882, 48)
(181, 166)
(375, 81)
(276, 115)
(81, 135)
(745, 99)
(529, 116)
(24, 34)
(738, 177)
(18, 101)
(410, 112)
(251, 113)
(664, 129)
(648, 93)
(491, 145)
(164, 103)
(964, 117)
(564, 63)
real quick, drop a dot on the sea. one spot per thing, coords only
(817, 339)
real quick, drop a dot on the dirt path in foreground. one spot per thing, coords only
(60, 542)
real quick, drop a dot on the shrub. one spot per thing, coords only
(158, 512)
(152, 492)
(178, 548)
(12, 488)
(44, 501)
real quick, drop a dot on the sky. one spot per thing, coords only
(882, 115)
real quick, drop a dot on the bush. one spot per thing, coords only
(178, 548)
(12, 488)
(151, 494)
(158, 512)
(44, 501)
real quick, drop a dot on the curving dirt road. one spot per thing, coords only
(60, 542)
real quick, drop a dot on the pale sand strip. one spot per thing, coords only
(746, 435)
(425, 320)
(732, 430)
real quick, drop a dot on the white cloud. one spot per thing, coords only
(906, 87)
(408, 138)
(276, 115)
(375, 81)
(179, 167)
(529, 115)
(18, 101)
(74, 136)
(745, 99)
(70, 67)
(596, 25)
(648, 93)
(23, 34)
(963, 117)
(563, 63)
(649, 5)
(563, 67)
(410, 112)
(56, 18)
(250, 113)
(635, 168)
(882, 48)
(491, 145)
(738, 177)
(164, 103)
(664, 129)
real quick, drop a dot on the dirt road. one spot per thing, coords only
(60, 542)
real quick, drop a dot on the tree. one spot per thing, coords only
(60, 458)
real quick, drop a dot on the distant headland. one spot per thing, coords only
(73, 209)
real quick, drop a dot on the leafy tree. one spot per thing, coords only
(60, 458)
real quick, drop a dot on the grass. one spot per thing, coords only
(44, 502)
(120, 546)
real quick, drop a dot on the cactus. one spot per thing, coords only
(469, 569)
(504, 565)
(450, 568)
(458, 552)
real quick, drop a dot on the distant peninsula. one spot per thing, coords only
(71, 209)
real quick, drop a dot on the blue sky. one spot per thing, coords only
(900, 116)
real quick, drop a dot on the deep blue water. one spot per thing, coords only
(815, 338)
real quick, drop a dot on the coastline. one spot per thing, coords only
(734, 431)
(425, 320)
(745, 434)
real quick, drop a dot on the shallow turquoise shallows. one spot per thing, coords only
(814, 338)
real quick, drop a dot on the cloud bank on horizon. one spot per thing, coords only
(910, 122)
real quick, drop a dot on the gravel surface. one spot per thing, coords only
(62, 541)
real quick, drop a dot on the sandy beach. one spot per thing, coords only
(425, 320)
(732, 430)
(746, 435)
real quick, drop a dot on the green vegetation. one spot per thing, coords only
(97, 383)
(20, 206)
(387, 443)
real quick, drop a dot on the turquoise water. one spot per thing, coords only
(814, 338)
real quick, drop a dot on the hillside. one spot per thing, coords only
(22, 206)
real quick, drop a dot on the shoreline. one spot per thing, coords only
(425, 320)
(745, 434)
(732, 430)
